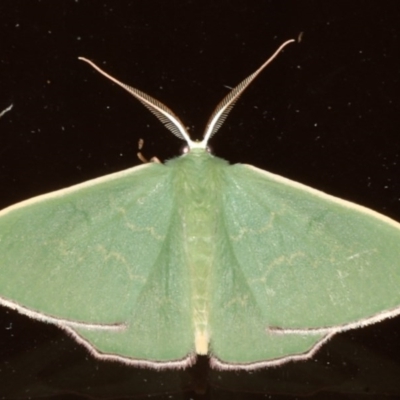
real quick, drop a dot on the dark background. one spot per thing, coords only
(325, 113)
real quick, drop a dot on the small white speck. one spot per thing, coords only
(6, 110)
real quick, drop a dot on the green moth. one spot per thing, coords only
(153, 265)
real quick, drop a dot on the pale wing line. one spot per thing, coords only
(158, 365)
(325, 196)
(218, 364)
(246, 231)
(74, 188)
(394, 312)
(68, 326)
(60, 321)
(328, 332)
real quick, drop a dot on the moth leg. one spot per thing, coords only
(142, 158)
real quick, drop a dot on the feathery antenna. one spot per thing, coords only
(172, 122)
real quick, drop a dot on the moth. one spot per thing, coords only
(158, 263)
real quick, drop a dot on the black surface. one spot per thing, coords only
(325, 113)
